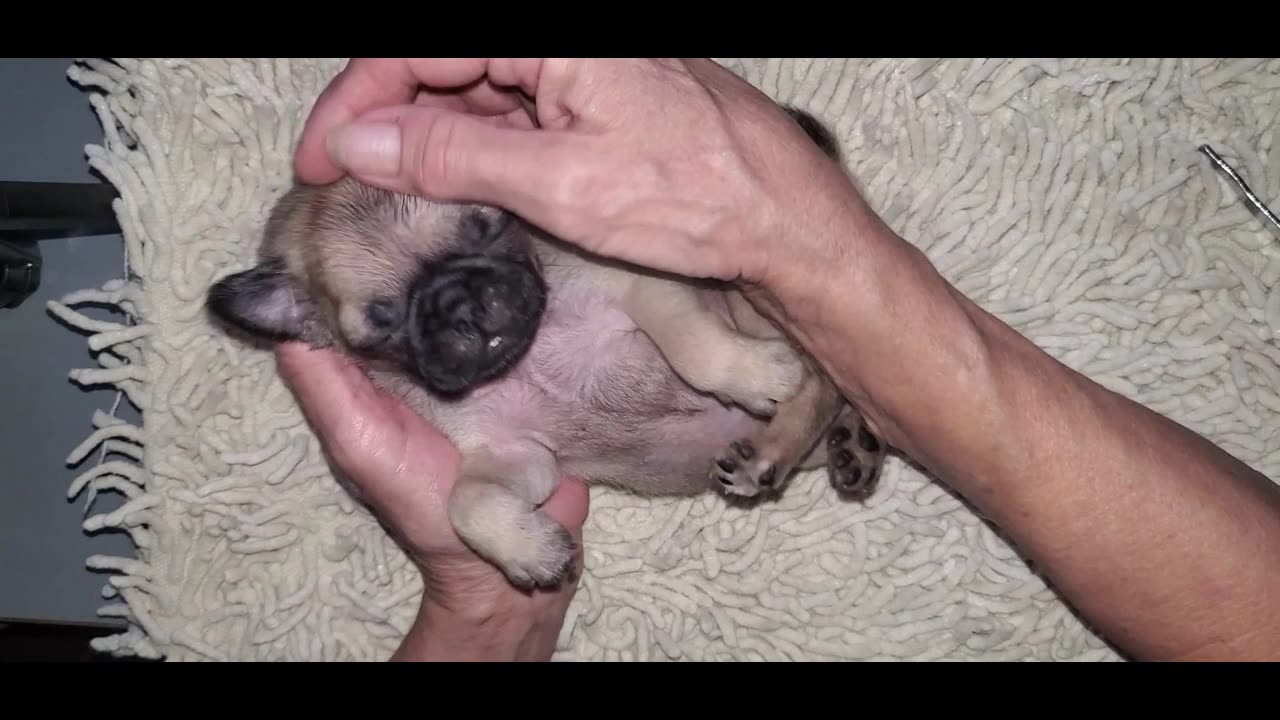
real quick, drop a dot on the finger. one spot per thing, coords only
(482, 98)
(488, 84)
(394, 115)
(372, 437)
(569, 505)
(365, 84)
(326, 384)
(342, 406)
(451, 156)
(369, 83)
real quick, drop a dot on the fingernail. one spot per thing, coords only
(367, 149)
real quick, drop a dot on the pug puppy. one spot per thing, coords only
(538, 360)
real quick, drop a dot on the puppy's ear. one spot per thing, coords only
(262, 301)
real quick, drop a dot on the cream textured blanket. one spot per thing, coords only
(1067, 196)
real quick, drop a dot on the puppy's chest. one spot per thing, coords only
(589, 373)
(592, 364)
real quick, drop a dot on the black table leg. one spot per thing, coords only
(35, 211)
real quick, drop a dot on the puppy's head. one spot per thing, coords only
(448, 294)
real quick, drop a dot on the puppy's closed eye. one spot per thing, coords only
(383, 314)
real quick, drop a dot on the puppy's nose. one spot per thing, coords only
(474, 305)
(469, 317)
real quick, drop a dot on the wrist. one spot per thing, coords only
(835, 252)
(844, 286)
(486, 624)
(899, 341)
(442, 635)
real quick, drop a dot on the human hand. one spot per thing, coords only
(677, 165)
(404, 470)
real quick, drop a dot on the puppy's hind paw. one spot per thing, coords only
(855, 457)
(741, 469)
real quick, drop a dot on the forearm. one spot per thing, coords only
(1159, 536)
(1163, 540)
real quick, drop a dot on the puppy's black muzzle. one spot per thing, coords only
(471, 317)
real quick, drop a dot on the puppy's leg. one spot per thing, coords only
(764, 461)
(704, 350)
(494, 508)
(849, 449)
(855, 455)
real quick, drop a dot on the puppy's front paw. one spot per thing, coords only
(768, 372)
(530, 548)
(855, 457)
(742, 469)
(542, 559)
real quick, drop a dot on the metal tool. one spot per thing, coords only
(1256, 206)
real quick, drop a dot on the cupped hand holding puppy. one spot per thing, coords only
(404, 468)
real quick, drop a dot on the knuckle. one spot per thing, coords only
(366, 71)
(435, 156)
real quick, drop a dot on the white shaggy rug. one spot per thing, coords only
(1067, 196)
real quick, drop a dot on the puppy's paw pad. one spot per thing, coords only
(854, 459)
(741, 469)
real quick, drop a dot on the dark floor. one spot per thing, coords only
(38, 642)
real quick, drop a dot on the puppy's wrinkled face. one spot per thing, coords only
(449, 294)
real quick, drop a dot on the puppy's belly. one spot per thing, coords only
(596, 391)
(642, 444)
(670, 456)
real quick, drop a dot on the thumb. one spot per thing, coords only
(569, 505)
(449, 155)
